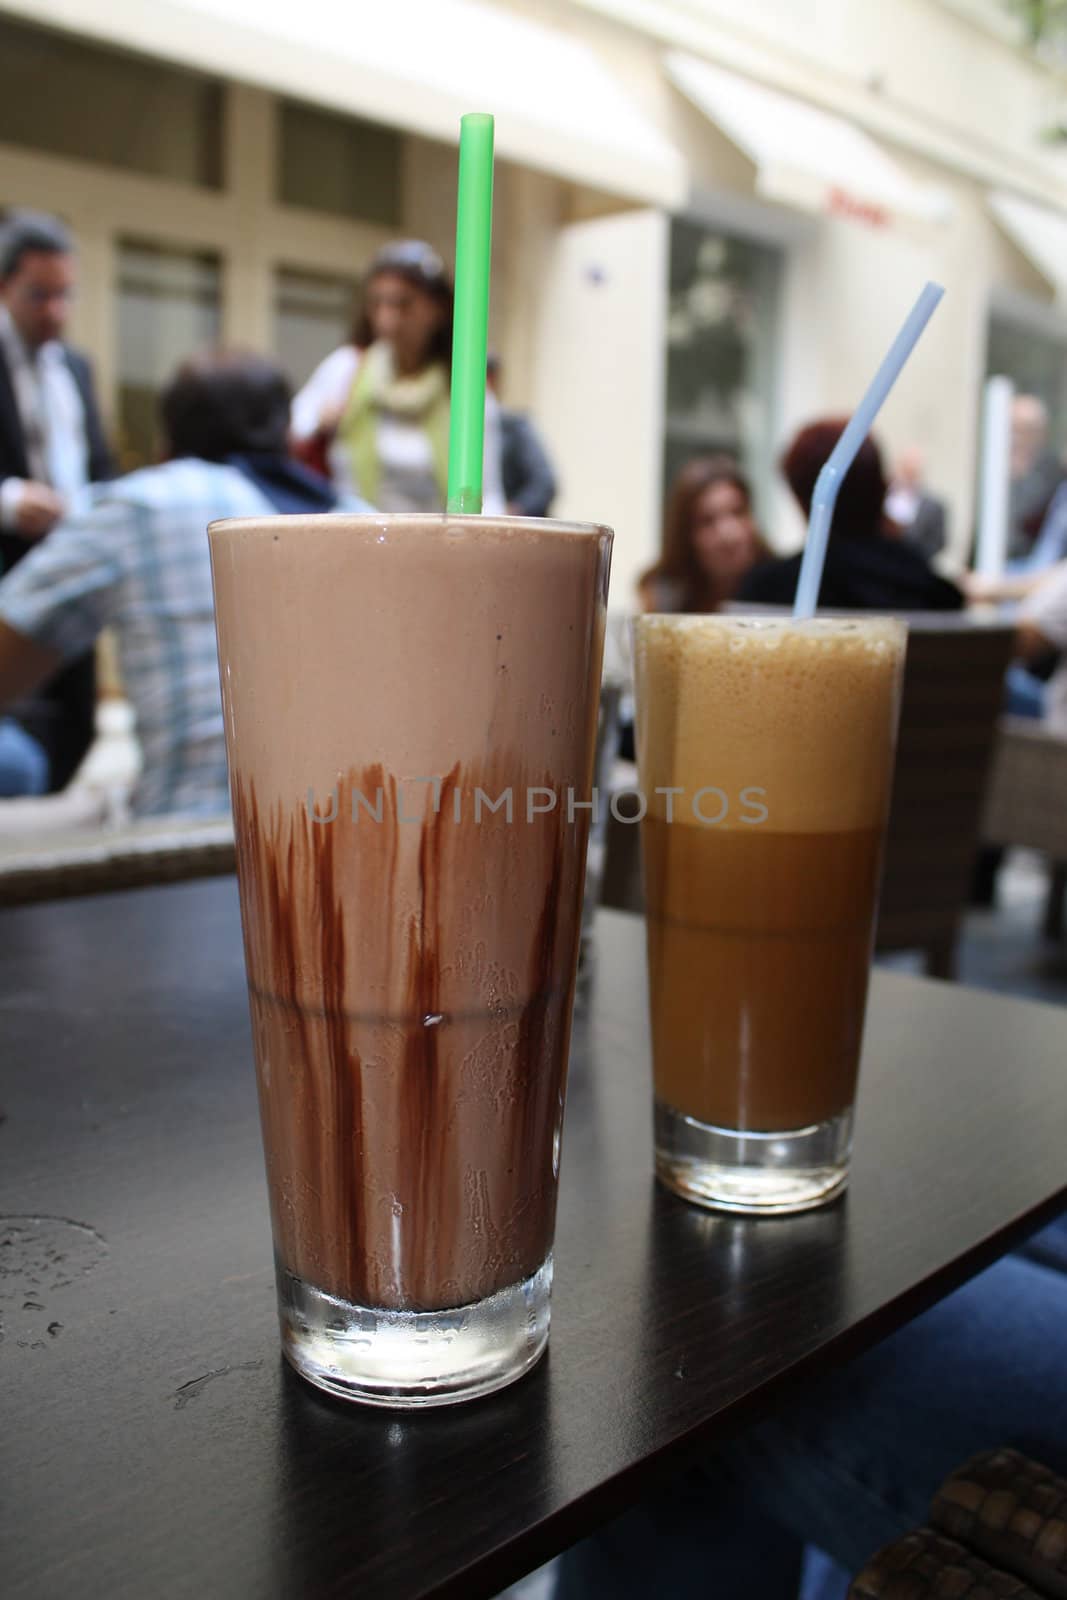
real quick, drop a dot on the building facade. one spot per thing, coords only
(710, 216)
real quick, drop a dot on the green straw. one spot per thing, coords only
(470, 327)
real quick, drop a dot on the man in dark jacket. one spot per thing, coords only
(526, 472)
(869, 567)
(51, 447)
(918, 514)
(1036, 474)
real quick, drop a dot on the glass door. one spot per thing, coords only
(721, 365)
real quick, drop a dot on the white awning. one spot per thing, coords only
(413, 64)
(804, 156)
(1040, 234)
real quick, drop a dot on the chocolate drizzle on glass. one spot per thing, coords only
(411, 985)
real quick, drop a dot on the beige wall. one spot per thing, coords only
(862, 283)
(922, 78)
(945, 79)
(254, 235)
(953, 102)
(598, 395)
(915, 72)
(848, 288)
(241, 223)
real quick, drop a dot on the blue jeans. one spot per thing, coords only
(854, 1462)
(1024, 695)
(23, 762)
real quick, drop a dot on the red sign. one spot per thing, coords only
(840, 203)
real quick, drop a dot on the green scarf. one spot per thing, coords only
(377, 388)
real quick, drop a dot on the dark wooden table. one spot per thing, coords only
(152, 1441)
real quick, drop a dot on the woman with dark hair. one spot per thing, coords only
(869, 567)
(710, 539)
(377, 409)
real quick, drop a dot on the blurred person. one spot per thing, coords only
(528, 479)
(137, 559)
(379, 405)
(1042, 643)
(1021, 577)
(51, 447)
(1028, 691)
(1035, 685)
(919, 515)
(1036, 473)
(710, 539)
(869, 567)
(52, 441)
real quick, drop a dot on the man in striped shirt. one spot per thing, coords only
(137, 559)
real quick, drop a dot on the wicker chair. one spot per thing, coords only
(996, 1530)
(1027, 803)
(953, 686)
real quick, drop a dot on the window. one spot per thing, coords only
(312, 316)
(327, 162)
(168, 307)
(1033, 354)
(69, 98)
(721, 333)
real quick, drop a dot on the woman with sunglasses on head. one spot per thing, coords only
(375, 412)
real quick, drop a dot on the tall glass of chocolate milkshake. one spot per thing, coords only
(765, 753)
(411, 711)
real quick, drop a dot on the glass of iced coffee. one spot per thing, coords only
(765, 754)
(411, 712)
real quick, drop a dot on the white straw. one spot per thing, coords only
(844, 452)
(995, 492)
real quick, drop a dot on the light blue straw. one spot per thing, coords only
(844, 452)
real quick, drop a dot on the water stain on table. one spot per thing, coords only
(196, 1386)
(41, 1260)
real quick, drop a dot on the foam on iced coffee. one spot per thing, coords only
(736, 705)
